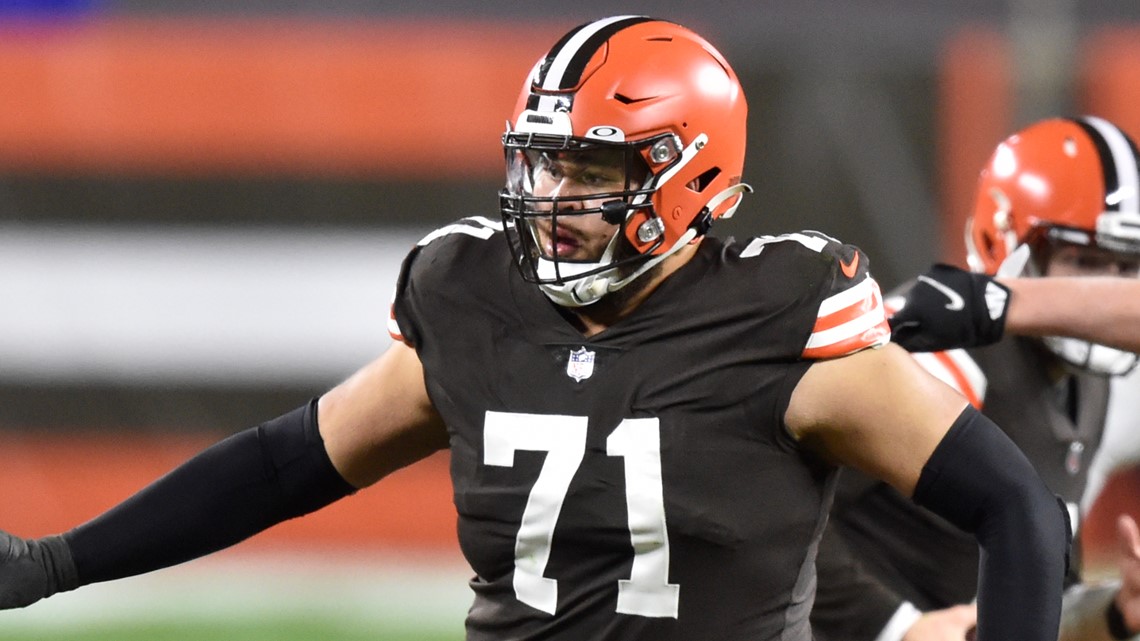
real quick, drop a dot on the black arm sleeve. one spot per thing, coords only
(978, 480)
(229, 492)
(850, 603)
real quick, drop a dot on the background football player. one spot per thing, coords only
(1057, 200)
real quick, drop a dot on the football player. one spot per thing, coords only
(1058, 204)
(644, 422)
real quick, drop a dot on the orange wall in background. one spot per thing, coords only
(975, 112)
(976, 108)
(262, 97)
(1110, 77)
(50, 483)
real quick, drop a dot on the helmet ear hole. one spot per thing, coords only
(987, 246)
(704, 180)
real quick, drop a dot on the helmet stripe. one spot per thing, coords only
(576, 62)
(1118, 157)
(562, 69)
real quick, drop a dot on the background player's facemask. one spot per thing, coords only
(558, 186)
(1081, 354)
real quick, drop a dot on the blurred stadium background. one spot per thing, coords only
(203, 205)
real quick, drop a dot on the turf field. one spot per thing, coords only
(263, 598)
(281, 630)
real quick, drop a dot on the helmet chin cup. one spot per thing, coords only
(1091, 357)
(590, 289)
(581, 291)
(571, 284)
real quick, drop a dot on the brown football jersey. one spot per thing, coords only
(638, 484)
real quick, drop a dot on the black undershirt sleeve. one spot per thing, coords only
(234, 489)
(980, 481)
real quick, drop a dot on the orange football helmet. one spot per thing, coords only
(1071, 180)
(1061, 181)
(659, 96)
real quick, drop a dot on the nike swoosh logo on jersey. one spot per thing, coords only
(849, 268)
(956, 303)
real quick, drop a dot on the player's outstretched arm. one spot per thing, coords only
(1099, 309)
(377, 421)
(949, 308)
(878, 411)
(32, 569)
(381, 419)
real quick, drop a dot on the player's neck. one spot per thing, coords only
(596, 318)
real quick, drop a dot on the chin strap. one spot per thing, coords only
(739, 188)
(601, 287)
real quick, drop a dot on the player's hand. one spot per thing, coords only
(33, 569)
(951, 624)
(1128, 598)
(950, 308)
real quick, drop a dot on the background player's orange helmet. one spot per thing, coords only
(1059, 181)
(664, 98)
(1074, 180)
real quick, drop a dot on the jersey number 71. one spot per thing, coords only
(647, 592)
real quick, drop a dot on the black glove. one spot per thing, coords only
(949, 308)
(34, 569)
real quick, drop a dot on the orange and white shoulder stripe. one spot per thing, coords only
(849, 321)
(955, 368)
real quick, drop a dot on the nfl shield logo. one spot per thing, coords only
(581, 364)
